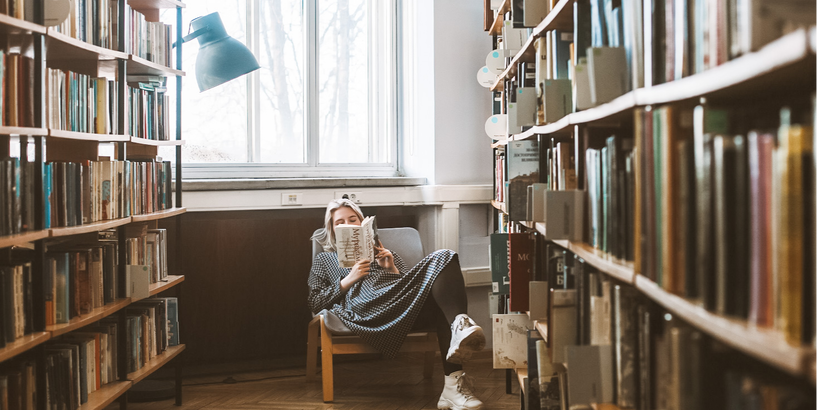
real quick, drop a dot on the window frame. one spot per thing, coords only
(382, 17)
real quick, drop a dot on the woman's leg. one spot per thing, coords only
(431, 317)
(448, 291)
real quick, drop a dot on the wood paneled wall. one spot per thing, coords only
(245, 289)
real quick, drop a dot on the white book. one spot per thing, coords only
(356, 242)
(510, 340)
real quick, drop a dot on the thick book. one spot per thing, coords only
(510, 341)
(625, 340)
(521, 247)
(532, 396)
(356, 242)
(590, 376)
(523, 170)
(499, 263)
(731, 225)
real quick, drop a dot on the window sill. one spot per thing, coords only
(240, 184)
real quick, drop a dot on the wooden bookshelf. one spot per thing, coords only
(766, 344)
(11, 25)
(172, 280)
(500, 143)
(542, 327)
(23, 344)
(155, 363)
(106, 395)
(499, 205)
(29, 131)
(63, 47)
(167, 213)
(140, 66)
(745, 75)
(496, 27)
(85, 136)
(26, 237)
(156, 143)
(87, 319)
(91, 227)
(621, 270)
(522, 377)
(559, 18)
(750, 73)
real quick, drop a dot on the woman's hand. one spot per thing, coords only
(359, 271)
(385, 258)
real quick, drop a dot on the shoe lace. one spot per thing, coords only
(465, 386)
(463, 323)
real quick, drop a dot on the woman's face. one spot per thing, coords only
(345, 215)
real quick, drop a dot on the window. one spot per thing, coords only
(323, 102)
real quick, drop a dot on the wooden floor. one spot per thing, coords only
(369, 384)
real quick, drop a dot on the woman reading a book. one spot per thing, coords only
(383, 300)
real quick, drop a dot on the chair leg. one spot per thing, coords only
(326, 364)
(429, 364)
(312, 348)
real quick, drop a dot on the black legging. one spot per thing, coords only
(448, 299)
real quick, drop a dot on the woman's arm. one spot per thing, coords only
(324, 291)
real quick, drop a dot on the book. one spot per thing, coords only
(520, 269)
(523, 170)
(510, 340)
(500, 282)
(590, 376)
(356, 242)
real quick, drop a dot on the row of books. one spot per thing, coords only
(149, 115)
(78, 102)
(617, 47)
(101, 190)
(17, 202)
(93, 21)
(725, 219)
(618, 347)
(82, 362)
(18, 384)
(81, 277)
(610, 174)
(147, 247)
(17, 80)
(97, 22)
(151, 40)
(17, 313)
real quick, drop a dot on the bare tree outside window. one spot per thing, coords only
(326, 49)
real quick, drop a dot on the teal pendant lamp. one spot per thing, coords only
(221, 58)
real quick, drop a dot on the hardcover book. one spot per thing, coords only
(499, 263)
(510, 333)
(523, 170)
(520, 269)
(356, 242)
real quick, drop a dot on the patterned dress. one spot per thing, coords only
(382, 307)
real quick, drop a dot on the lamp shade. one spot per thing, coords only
(221, 58)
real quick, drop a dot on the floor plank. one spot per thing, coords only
(359, 385)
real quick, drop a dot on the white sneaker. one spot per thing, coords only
(466, 338)
(458, 393)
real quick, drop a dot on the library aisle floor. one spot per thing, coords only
(360, 385)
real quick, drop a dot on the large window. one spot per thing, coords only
(323, 102)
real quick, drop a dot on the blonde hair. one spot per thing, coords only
(326, 235)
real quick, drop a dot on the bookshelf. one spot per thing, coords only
(760, 81)
(36, 243)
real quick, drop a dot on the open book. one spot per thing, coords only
(356, 242)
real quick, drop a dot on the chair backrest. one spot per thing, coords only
(405, 242)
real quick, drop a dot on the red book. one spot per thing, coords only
(520, 251)
(761, 146)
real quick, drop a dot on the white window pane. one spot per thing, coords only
(282, 80)
(214, 123)
(343, 77)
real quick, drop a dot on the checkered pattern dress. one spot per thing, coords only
(382, 307)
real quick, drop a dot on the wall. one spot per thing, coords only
(461, 104)
(443, 105)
